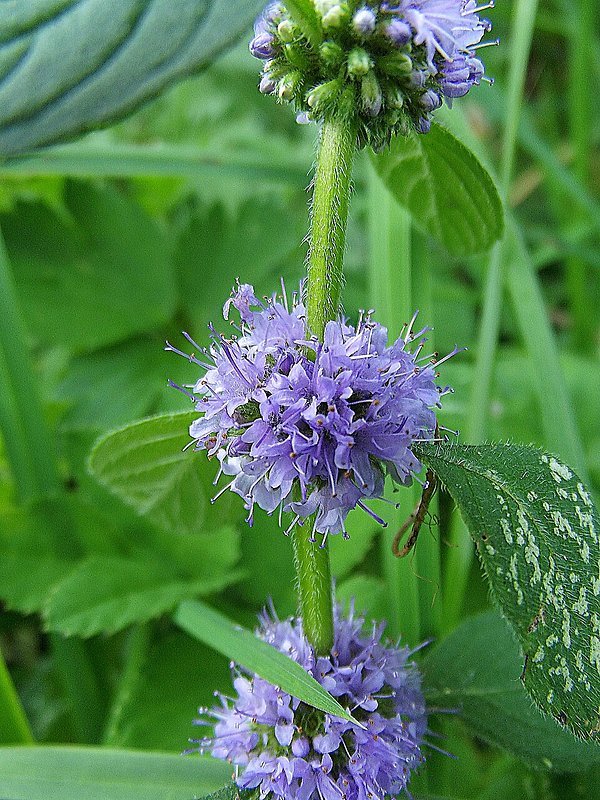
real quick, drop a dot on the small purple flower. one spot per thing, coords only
(446, 27)
(290, 750)
(460, 75)
(311, 427)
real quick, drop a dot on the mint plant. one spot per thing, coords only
(335, 422)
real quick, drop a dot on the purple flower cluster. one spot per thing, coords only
(388, 58)
(306, 426)
(290, 750)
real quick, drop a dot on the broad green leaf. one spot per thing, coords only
(126, 52)
(367, 593)
(476, 671)
(95, 274)
(145, 465)
(105, 594)
(74, 773)
(536, 531)
(217, 246)
(242, 646)
(229, 792)
(444, 187)
(154, 716)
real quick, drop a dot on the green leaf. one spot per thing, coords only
(95, 274)
(230, 244)
(476, 670)
(73, 773)
(536, 531)
(242, 646)
(145, 465)
(368, 594)
(114, 55)
(445, 188)
(229, 792)
(105, 594)
(154, 716)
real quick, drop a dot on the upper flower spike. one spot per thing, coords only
(311, 427)
(389, 64)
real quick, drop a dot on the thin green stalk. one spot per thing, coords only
(581, 120)
(460, 556)
(83, 159)
(80, 685)
(26, 436)
(138, 646)
(427, 560)
(14, 727)
(390, 290)
(528, 303)
(330, 203)
(31, 455)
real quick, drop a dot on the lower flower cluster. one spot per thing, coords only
(287, 749)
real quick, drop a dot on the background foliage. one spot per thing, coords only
(134, 233)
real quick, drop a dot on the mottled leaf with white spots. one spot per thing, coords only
(537, 534)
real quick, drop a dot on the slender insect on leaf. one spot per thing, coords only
(416, 519)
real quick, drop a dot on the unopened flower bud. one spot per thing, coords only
(331, 53)
(359, 62)
(423, 125)
(335, 16)
(267, 85)
(288, 85)
(364, 21)
(370, 95)
(395, 98)
(430, 100)
(397, 65)
(286, 31)
(398, 32)
(321, 97)
(263, 46)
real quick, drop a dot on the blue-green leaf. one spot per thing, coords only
(245, 648)
(447, 191)
(67, 66)
(537, 534)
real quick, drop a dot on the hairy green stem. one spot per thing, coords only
(315, 591)
(331, 198)
(330, 203)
